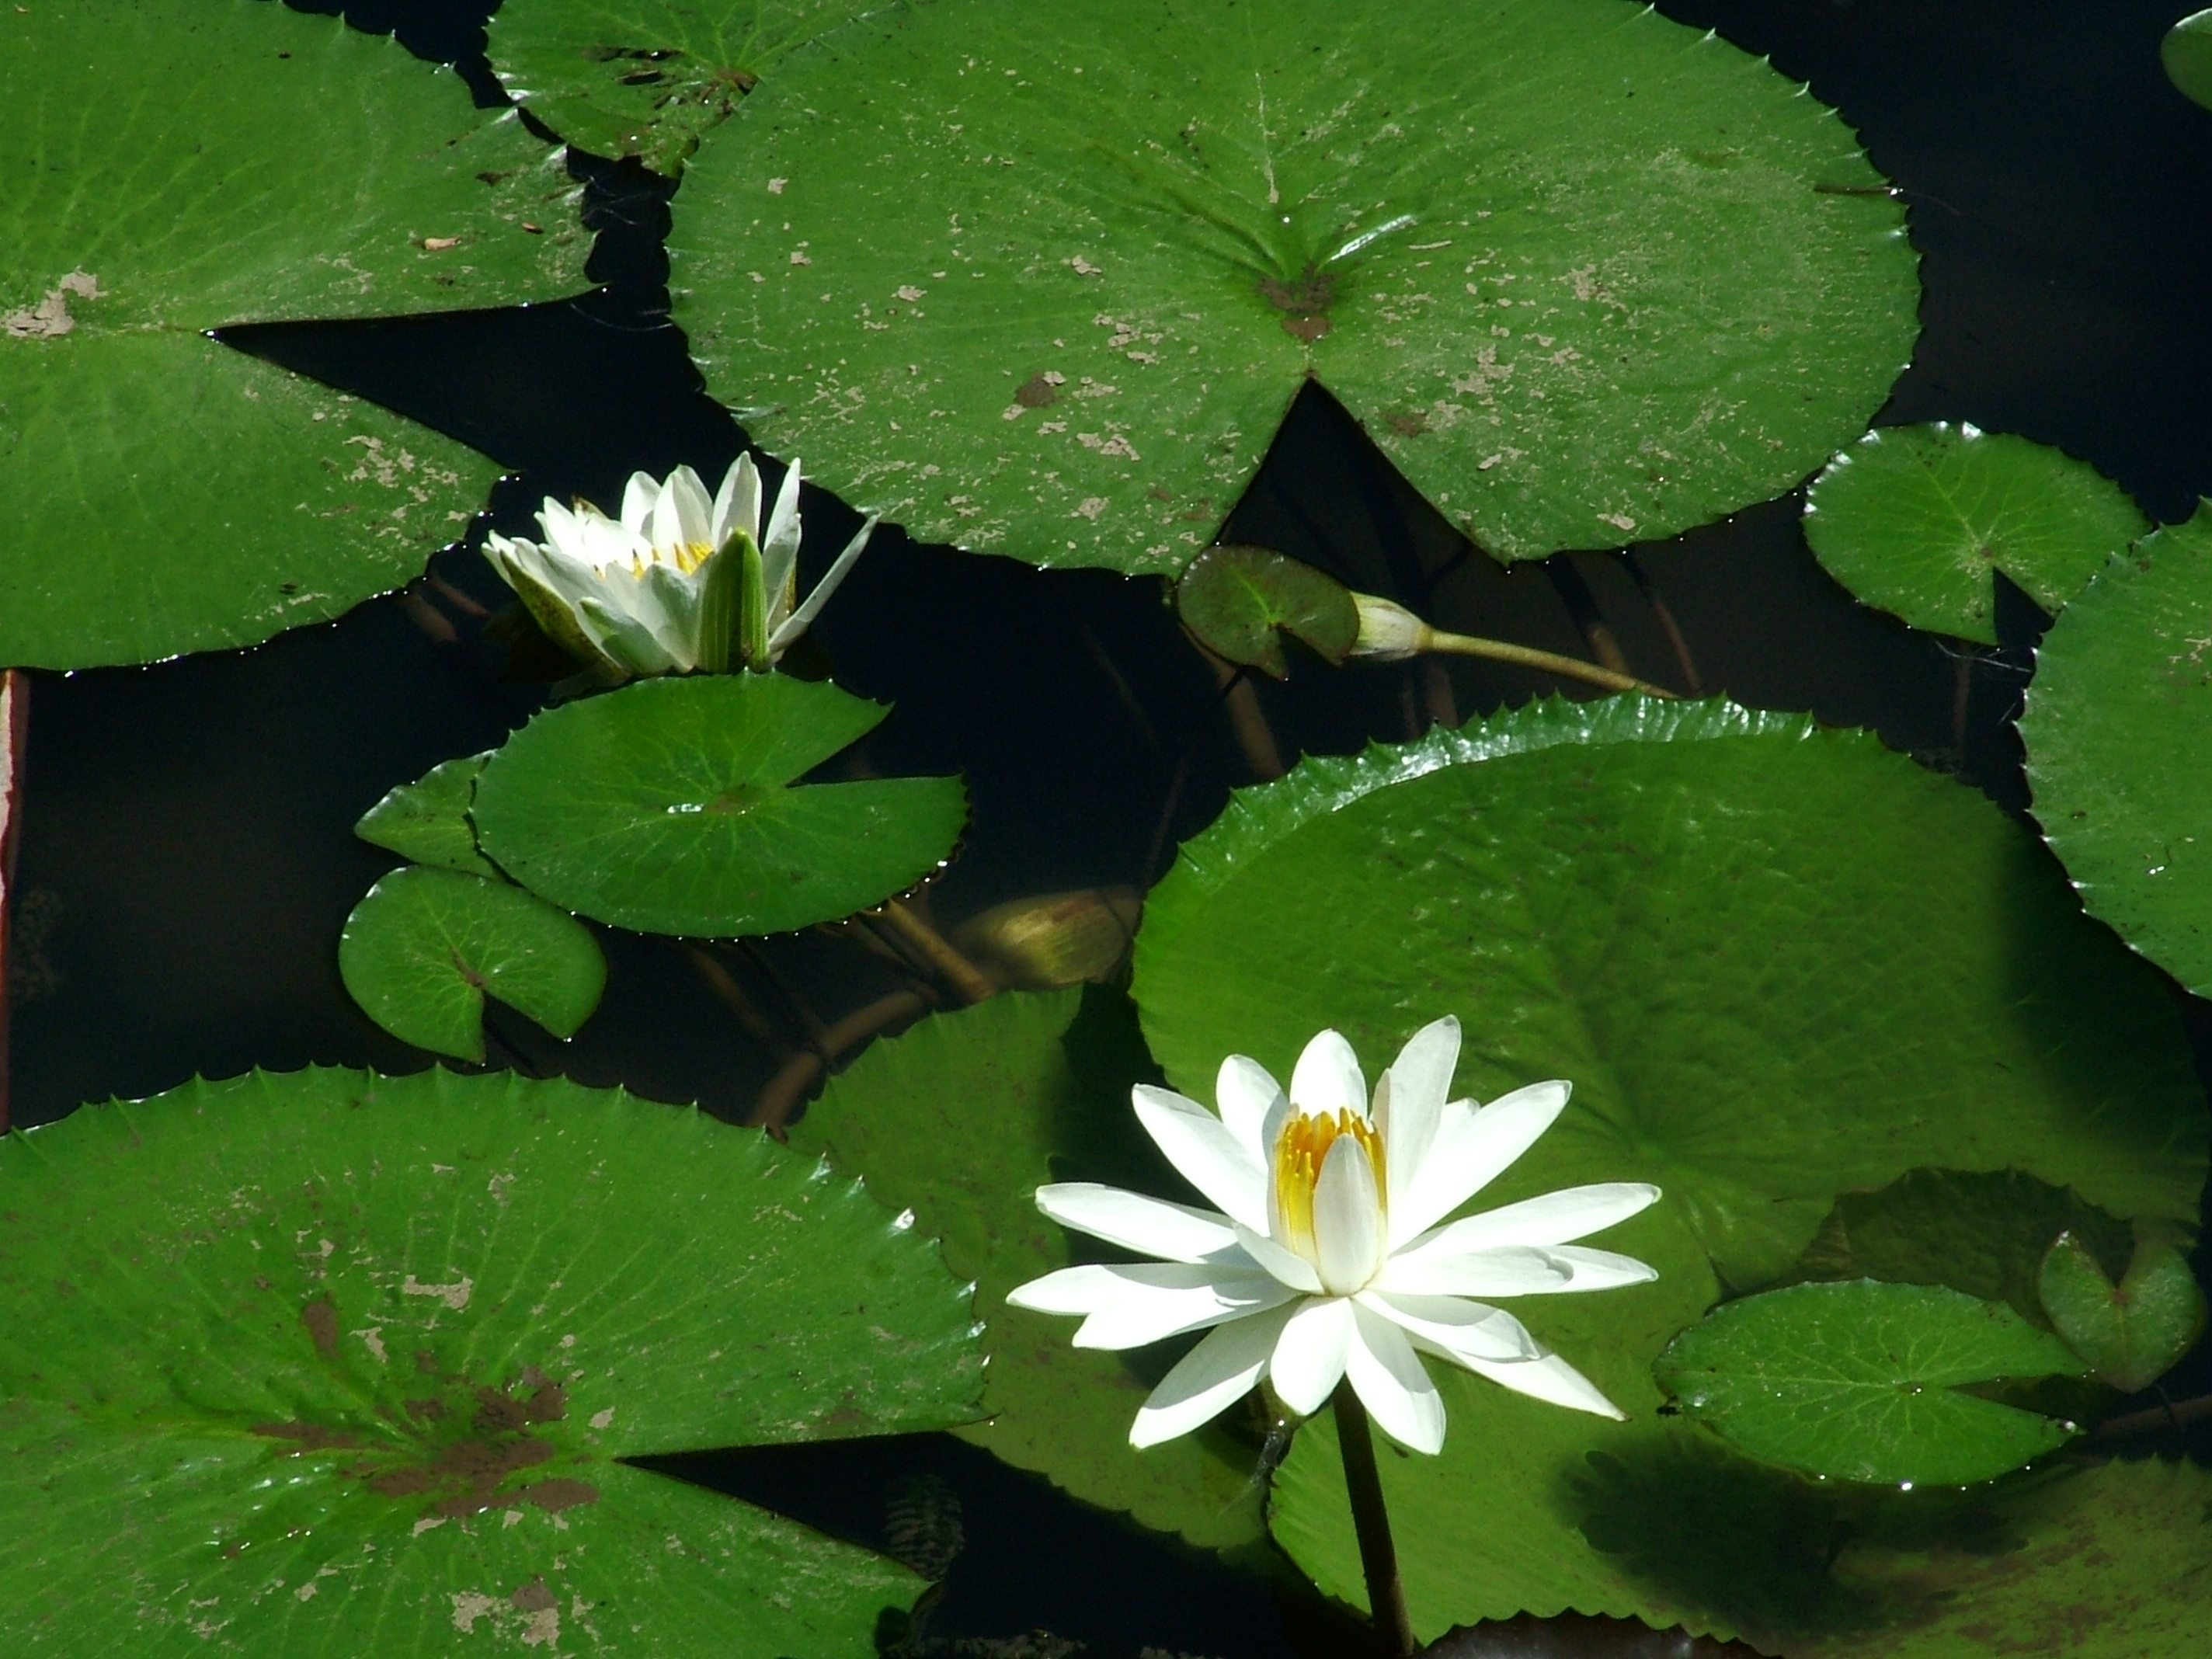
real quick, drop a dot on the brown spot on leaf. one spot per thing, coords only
(1408, 426)
(561, 1493)
(534, 1597)
(1036, 392)
(320, 1316)
(1308, 329)
(310, 1436)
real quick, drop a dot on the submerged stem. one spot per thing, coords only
(1465, 645)
(1378, 1555)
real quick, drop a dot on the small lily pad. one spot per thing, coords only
(325, 1363)
(1859, 1381)
(1236, 599)
(422, 951)
(963, 1117)
(427, 820)
(645, 77)
(2186, 51)
(2130, 1334)
(671, 806)
(2118, 721)
(1916, 520)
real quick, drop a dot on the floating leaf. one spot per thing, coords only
(329, 1364)
(205, 498)
(2117, 720)
(1044, 282)
(964, 1118)
(427, 820)
(1235, 598)
(2130, 1334)
(422, 951)
(1985, 1233)
(1915, 519)
(668, 806)
(1859, 1381)
(645, 77)
(2186, 53)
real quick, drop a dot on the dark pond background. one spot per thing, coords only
(188, 860)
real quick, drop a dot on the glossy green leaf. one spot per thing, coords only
(1731, 931)
(645, 77)
(962, 1118)
(330, 1364)
(2186, 53)
(2117, 720)
(1985, 1233)
(189, 496)
(1916, 520)
(2131, 1333)
(1043, 283)
(669, 806)
(1237, 598)
(427, 820)
(422, 951)
(1859, 1381)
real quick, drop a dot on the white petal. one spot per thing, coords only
(1508, 1270)
(1309, 1359)
(1209, 1379)
(1550, 1379)
(1174, 1233)
(736, 503)
(1347, 1219)
(683, 514)
(1394, 1385)
(1246, 1091)
(667, 601)
(1294, 1269)
(639, 497)
(779, 543)
(800, 620)
(1601, 1270)
(1460, 1331)
(1557, 1218)
(1160, 1299)
(1327, 1078)
(1209, 1157)
(1410, 1099)
(1067, 1291)
(1469, 1151)
(624, 638)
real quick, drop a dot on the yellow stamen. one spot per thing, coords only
(1300, 1152)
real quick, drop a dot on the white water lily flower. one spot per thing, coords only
(679, 582)
(1330, 1258)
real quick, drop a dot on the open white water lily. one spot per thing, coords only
(1331, 1259)
(679, 582)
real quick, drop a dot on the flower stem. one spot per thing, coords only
(1464, 645)
(1378, 1556)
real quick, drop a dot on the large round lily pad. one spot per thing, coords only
(1043, 282)
(2117, 723)
(669, 807)
(181, 495)
(964, 1118)
(426, 947)
(1917, 519)
(330, 1364)
(645, 77)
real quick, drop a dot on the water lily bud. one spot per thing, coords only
(1387, 631)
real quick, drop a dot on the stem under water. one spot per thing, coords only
(1467, 645)
(1378, 1555)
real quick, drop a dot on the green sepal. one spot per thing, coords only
(733, 609)
(2131, 1333)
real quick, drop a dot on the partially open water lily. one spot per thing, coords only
(679, 582)
(1330, 1258)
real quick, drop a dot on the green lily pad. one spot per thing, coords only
(2186, 51)
(1731, 931)
(422, 951)
(1859, 1381)
(2131, 1333)
(1916, 520)
(1983, 1233)
(645, 77)
(327, 1363)
(669, 807)
(427, 820)
(962, 1118)
(2117, 718)
(1238, 599)
(1044, 282)
(160, 188)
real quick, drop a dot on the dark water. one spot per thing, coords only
(187, 858)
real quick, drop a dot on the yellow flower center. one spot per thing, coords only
(686, 556)
(1299, 1154)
